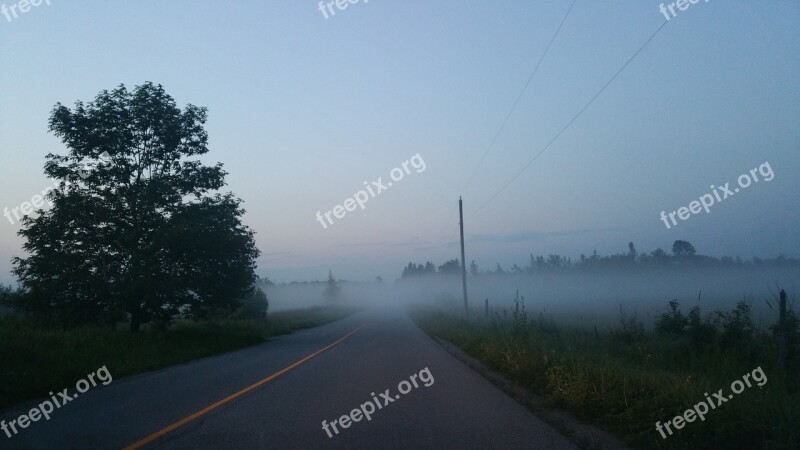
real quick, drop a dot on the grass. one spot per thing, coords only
(36, 361)
(626, 380)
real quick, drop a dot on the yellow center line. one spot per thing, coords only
(225, 400)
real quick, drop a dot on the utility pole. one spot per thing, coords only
(463, 261)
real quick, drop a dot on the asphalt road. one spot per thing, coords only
(459, 409)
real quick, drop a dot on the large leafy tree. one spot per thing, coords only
(138, 229)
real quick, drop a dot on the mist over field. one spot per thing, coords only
(577, 299)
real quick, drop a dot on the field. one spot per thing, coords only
(626, 379)
(37, 361)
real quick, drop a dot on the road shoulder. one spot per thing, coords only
(584, 435)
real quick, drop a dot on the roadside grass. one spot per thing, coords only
(34, 361)
(626, 380)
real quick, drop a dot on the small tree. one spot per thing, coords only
(737, 327)
(332, 290)
(254, 306)
(673, 321)
(452, 267)
(631, 251)
(659, 256)
(701, 332)
(682, 248)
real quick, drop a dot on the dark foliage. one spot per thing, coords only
(136, 231)
(684, 257)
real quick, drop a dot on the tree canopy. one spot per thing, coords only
(683, 248)
(138, 229)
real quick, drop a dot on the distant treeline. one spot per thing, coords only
(683, 255)
(331, 281)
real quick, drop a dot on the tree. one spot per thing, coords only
(143, 234)
(332, 290)
(660, 255)
(557, 262)
(673, 321)
(412, 270)
(452, 267)
(682, 248)
(632, 251)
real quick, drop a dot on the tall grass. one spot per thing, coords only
(626, 379)
(35, 361)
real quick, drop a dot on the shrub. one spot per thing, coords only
(519, 319)
(673, 321)
(700, 332)
(737, 327)
(630, 329)
(254, 306)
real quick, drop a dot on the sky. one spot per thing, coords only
(304, 109)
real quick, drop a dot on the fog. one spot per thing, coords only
(574, 299)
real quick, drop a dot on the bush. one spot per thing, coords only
(673, 321)
(701, 332)
(255, 306)
(737, 327)
(630, 329)
(519, 319)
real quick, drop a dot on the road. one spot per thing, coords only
(458, 408)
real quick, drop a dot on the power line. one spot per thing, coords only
(519, 97)
(571, 120)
